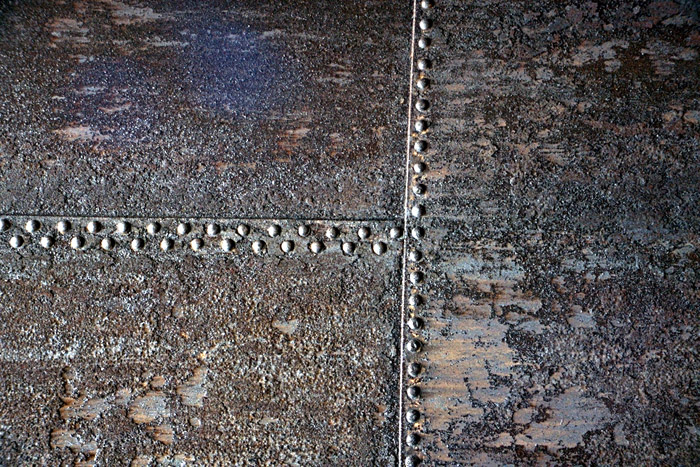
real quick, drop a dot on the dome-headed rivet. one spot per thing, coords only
(183, 228)
(421, 125)
(420, 146)
(416, 277)
(16, 241)
(213, 230)
(123, 227)
(363, 233)
(4, 225)
(418, 233)
(414, 369)
(63, 226)
(415, 323)
(395, 233)
(415, 255)
(419, 167)
(425, 24)
(379, 248)
(332, 233)
(32, 226)
(422, 105)
(304, 230)
(316, 247)
(424, 64)
(415, 300)
(274, 230)
(137, 244)
(413, 392)
(424, 42)
(259, 247)
(93, 227)
(425, 4)
(418, 211)
(414, 345)
(412, 416)
(348, 248)
(412, 439)
(107, 243)
(196, 244)
(423, 83)
(77, 242)
(227, 244)
(46, 241)
(243, 230)
(419, 189)
(153, 228)
(167, 244)
(412, 461)
(287, 246)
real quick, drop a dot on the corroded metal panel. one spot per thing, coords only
(206, 355)
(559, 198)
(256, 109)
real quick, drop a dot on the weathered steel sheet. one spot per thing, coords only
(255, 109)
(561, 250)
(212, 356)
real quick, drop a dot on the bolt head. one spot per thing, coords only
(183, 228)
(413, 392)
(227, 244)
(412, 416)
(414, 369)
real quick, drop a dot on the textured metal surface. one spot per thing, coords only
(255, 109)
(562, 220)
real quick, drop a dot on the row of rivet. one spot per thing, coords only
(416, 277)
(78, 241)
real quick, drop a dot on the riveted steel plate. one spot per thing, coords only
(197, 357)
(247, 109)
(561, 266)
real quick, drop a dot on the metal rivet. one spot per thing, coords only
(16, 241)
(414, 369)
(274, 230)
(107, 243)
(422, 105)
(415, 255)
(417, 232)
(424, 64)
(4, 225)
(412, 416)
(332, 232)
(363, 233)
(227, 244)
(412, 439)
(93, 227)
(304, 230)
(46, 242)
(243, 230)
(259, 247)
(417, 211)
(153, 228)
(415, 324)
(137, 244)
(348, 248)
(77, 242)
(63, 226)
(419, 167)
(287, 246)
(316, 247)
(379, 248)
(167, 244)
(413, 392)
(413, 346)
(425, 24)
(412, 461)
(421, 125)
(395, 233)
(425, 4)
(415, 300)
(416, 277)
(196, 244)
(424, 42)
(420, 146)
(123, 227)
(213, 230)
(32, 226)
(423, 83)
(419, 189)
(183, 228)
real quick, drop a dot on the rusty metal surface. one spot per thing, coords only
(256, 109)
(562, 222)
(209, 357)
